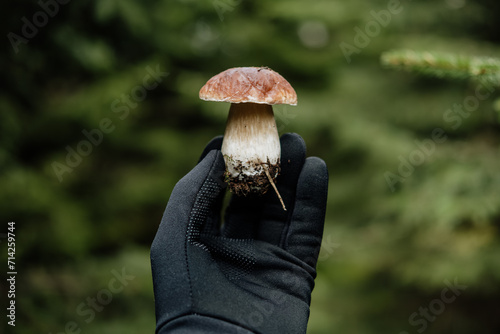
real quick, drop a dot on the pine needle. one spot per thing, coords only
(444, 65)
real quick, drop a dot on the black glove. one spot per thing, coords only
(255, 274)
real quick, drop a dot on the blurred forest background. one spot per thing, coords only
(100, 116)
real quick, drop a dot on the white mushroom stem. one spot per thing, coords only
(251, 148)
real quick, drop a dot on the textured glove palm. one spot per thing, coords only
(255, 274)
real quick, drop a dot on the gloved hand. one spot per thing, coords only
(253, 274)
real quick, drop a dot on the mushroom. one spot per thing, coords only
(251, 145)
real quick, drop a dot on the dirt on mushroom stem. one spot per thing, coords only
(244, 183)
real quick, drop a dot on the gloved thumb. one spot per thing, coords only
(194, 203)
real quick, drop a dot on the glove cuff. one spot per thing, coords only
(199, 324)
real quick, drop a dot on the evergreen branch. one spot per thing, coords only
(444, 65)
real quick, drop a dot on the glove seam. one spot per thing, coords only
(211, 317)
(285, 233)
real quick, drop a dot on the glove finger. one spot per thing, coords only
(308, 217)
(263, 217)
(275, 222)
(194, 202)
(214, 144)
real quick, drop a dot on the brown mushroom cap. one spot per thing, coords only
(249, 84)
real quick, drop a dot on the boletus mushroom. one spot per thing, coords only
(251, 145)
